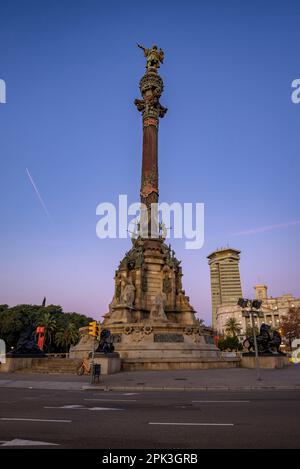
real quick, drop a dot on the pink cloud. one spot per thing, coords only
(262, 229)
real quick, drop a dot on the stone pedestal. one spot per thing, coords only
(265, 361)
(110, 363)
(157, 327)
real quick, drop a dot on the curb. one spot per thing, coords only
(193, 389)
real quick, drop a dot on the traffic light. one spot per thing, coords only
(94, 329)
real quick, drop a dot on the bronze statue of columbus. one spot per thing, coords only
(154, 57)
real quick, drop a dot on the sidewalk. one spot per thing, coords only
(232, 379)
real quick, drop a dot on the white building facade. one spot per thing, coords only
(273, 310)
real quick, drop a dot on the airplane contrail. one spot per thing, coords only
(38, 194)
(262, 229)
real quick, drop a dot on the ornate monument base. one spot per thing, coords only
(152, 323)
(265, 361)
(158, 347)
(162, 346)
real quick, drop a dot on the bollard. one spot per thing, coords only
(96, 371)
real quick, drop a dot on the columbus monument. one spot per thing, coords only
(150, 316)
(151, 320)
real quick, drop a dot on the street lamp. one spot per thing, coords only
(251, 308)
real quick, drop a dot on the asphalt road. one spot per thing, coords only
(86, 419)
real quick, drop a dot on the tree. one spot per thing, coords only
(290, 325)
(232, 327)
(230, 343)
(15, 319)
(80, 320)
(66, 337)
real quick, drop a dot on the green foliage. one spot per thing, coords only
(66, 337)
(15, 319)
(230, 343)
(232, 327)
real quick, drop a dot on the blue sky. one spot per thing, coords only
(230, 139)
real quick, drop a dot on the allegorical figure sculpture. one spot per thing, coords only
(266, 343)
(157, 312)
(128, 294)
(154, 57)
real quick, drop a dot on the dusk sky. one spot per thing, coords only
(230, 139)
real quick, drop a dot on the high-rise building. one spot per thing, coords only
(225, 279)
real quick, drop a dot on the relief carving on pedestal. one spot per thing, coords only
(137, 334)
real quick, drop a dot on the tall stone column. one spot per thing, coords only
(151, 87)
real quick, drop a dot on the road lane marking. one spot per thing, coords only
(103, 408)
(224, 401)
(76, 406)
(193, 424)
(34, 420)
(111, 400)
(66, 407)
(80, 407)
(17, 442)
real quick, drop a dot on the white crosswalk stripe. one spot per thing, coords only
(193, 424)
(16, 419)
(226, 402)
(18, 442)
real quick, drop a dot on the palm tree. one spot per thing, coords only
(67, 336)
(232, 327)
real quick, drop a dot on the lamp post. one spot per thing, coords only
(254, 306)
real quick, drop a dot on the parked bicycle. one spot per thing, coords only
(84, 368)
